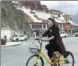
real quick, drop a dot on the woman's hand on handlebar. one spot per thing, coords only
(38, 37)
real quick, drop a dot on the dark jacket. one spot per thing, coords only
(52, 31)
(57, 41)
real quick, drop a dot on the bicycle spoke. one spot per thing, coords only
(68, 61)
(34, 61)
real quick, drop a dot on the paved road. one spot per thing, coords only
(18, 55)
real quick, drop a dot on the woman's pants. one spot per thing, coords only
(51, 49)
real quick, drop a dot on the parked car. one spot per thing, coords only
(76, 34)
(12, 37)
(20, 38)
(63, 34)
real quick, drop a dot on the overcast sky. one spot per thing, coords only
(71, 7)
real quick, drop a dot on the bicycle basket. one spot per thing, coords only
(33, 50)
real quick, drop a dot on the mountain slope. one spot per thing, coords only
(13, 18)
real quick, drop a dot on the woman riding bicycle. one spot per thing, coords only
(55, 41)
(55, 44)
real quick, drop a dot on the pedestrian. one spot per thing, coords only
(5, 38)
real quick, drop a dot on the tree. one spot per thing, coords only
(67, 18)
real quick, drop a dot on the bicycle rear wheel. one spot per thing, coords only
(35, 60)
(69, 60)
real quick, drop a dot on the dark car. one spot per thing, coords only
(76, 34)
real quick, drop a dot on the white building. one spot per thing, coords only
(6, 32)
(39, 15)
(9, 33)
(38, 28)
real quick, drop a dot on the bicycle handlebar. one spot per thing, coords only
(41, 39)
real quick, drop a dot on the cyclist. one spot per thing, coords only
(55, 41)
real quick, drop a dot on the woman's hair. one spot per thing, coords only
(54, 23)
(52, 19)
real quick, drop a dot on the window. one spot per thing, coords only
(43, 25)
(36, 26)
(32, 25)
(32, 12)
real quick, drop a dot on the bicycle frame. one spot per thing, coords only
(42, 54)
(58, 58)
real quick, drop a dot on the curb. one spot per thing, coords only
(11, 45)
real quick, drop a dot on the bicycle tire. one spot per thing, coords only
(42, 62)
(73, 61)
(67, 61)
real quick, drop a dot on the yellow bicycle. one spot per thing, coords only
(37, 58)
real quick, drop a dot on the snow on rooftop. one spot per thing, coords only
(27, 11)
(38, 16)
(15, 2)
(61, 18)
(43, 15)
(59, 21)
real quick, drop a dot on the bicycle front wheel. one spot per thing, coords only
(35, 60)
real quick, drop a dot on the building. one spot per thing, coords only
(6, 32)
(40, 13)
(75, 28)
(34, 5)
(9, 33)
(45, 8)
(38, 28)
(56, 13)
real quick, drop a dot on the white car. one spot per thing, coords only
(63, 34)
(20, 38)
